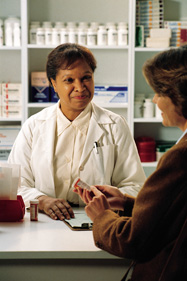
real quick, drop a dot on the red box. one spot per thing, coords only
(12, 210)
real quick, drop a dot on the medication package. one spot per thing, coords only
(12, 207)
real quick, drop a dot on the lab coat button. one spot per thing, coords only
(81, 168)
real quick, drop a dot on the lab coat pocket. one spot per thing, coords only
(103, 163)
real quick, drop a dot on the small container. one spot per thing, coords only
(82, 36)
(102, 36)
(91, 37)
(112, 36)
(148, 110)
(123, 35)
(64, 35)
(48, 36)
(34, 210)
(40, 36)
(73, 35)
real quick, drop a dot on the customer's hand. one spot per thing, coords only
(97, 205)
(114, 196)
(56, 208)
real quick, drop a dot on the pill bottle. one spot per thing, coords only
(55, 36)
(123, 35)
(48, 36)
(91, 37)
(83, 25)
(73, 35)
(82, 36)
(64, 35)
(40, 36)
(59, 24)
(1, 33)
(94, 25)
(47, 24)
(112, 36)
(32, 31)
(148, 109)
(71, 24)
(34, 209)
(16, 35)
(8, 34)
(102, 36)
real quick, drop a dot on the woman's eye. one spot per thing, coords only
(69, 80)
(86, 78)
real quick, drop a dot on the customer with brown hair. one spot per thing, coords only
(152, 228)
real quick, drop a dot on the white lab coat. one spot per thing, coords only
(116, 164)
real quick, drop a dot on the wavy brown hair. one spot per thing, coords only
(166, 73)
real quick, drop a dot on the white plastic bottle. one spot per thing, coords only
(1, 33)
(33, 30)
(48, 36)
(46, 24)
(16, 35)
(102, 36)
(8, 34)
(73, 35)
(82, 36)
(55, 36)
(112, 36)
(40, 36)
(64, 35)
(91, 37)
(123, 35)
(148, 109)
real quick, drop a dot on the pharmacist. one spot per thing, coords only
(74, 138)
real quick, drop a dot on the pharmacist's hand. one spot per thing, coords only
(56, 208)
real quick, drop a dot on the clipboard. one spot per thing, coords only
(81, 222)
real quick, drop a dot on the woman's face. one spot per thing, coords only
(75, 88)
(169, 112)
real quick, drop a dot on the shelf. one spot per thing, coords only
(105, 105)
(34, 46)
(10, 119)
(5, 48)
(148, 120)
(144, 49)
(149, 164)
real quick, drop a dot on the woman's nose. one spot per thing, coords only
(79, 86)
(155, 99)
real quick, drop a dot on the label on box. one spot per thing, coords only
(111, 94)
(39, 87)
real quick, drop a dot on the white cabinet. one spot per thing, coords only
(116, 64)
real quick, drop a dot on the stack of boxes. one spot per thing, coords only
(149, 14)
(8, 135)
(10, 100)
(41, 91)
(178, 31)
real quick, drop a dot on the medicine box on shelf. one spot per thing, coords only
(39, 87)
(8, 135)
(111, 94)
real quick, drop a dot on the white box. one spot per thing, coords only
(111, 94)
(11, 94)
(11, 111)
(160, 33)
(157, 42)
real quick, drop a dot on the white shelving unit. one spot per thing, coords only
(116, 65)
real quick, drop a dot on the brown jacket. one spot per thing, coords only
(158, 214)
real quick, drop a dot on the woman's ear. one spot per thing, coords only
(54, 84)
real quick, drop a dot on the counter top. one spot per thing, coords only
(35, 239)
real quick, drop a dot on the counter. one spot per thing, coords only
(49, 250)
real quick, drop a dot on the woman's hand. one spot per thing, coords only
(114, 196)
(55, 208)
(97, 204)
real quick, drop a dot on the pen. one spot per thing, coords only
(96, 147)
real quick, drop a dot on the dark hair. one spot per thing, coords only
(166, 73)
(63, 56)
